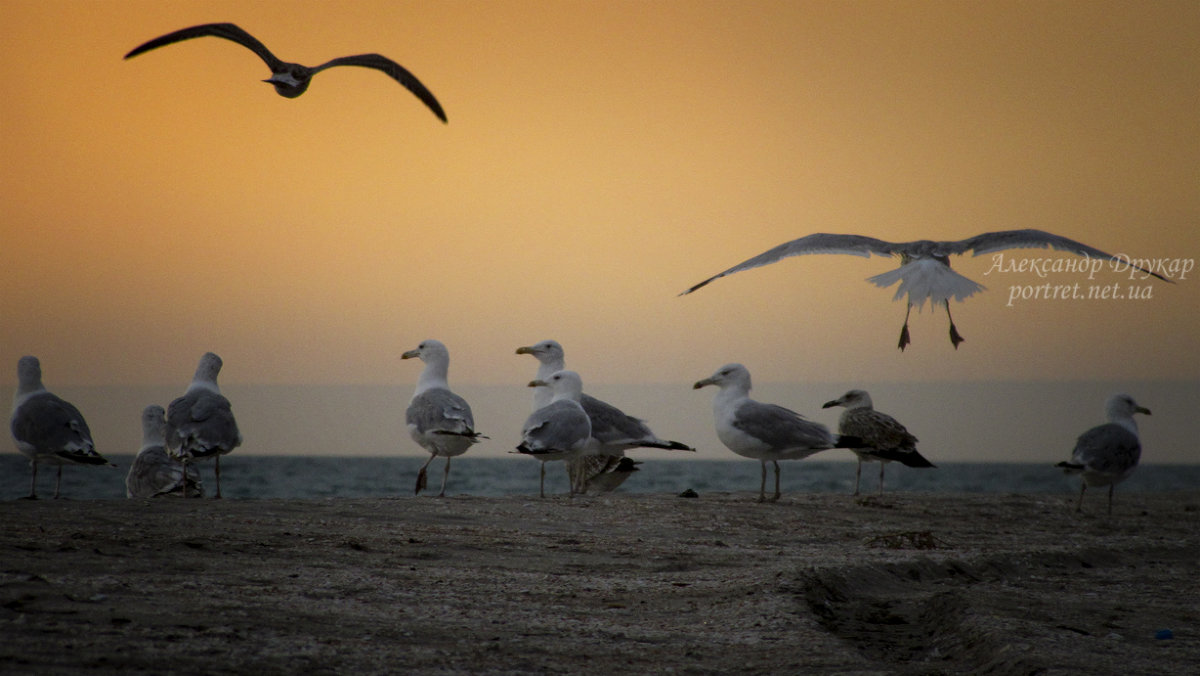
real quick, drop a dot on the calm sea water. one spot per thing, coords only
(256, 476)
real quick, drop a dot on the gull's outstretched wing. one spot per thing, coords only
(219, 30)
(1034, 239)
(395, 71)
(819, 243)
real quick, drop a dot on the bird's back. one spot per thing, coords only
(1108, 450)
(201, 424)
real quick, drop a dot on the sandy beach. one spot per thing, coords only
(905, 583)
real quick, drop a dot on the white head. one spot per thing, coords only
(564, 384)
(546, 352)
(209, 367)
(1120, 409)
(154, 426)
(29, 374)
(728, 376)
(851, 399)
(429, 351)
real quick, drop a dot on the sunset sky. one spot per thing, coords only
(600, 158)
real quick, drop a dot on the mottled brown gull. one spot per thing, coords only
(154, 472)
(884, 438)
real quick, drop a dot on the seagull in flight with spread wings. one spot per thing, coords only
(924, 272)
(291, 79)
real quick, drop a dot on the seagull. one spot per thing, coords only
(1107, 454)
(559, 430)
(154, 473)
(609, 472)
(884, 438)
(291, 79)
(613, 430)
(200, 424)
(439, 420)
(924, 271)
(48, 429)
(765, 432)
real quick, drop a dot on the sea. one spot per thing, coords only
(305, 477)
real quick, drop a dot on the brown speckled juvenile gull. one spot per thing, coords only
(884, 438)
(292, 79)
(924, 272)
(1107, 454)
(154, 472)
(47, 429)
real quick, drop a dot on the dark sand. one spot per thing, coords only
(907, 583)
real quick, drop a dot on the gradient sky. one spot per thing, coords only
(600, 157)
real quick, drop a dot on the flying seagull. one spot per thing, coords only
(200, 424)
(291, 79)
(924, 272)
(884, 438)
(560, 430)
(765, 432)
(614, 430)
(47, 429)
(1107, 454)
(439, 420)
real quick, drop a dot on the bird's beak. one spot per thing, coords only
(525, 350)
(538, 383)
(1142, 409)
(410, 354)
(831, 404)
(702, 383)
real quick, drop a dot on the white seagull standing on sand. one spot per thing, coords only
(884, 438)
(291, 79)
(154, 472)
(200, 424)
(439, 420)
(560, 430)
(1107, 454)
(46, 428)
(615, 431)
(765, 432)
(924, 272)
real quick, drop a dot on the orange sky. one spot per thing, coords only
(600, 157)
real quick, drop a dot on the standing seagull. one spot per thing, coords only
(439, 420)
(884, 438)
(200, 424)
(1107, 454)
(765, 432)
(613, 429)
(48, 429)
(154, 473)
(560, 430)
(291, 79)
(924, 272)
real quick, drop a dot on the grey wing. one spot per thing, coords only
(557, 427)
(393, 70)
(440, 410)
(220, 30)
(51, 425)
(1108, 448)
(877, 430)
(202, 423)
(781, 428)
(1034, 239)
(611, 425)
(819, 243)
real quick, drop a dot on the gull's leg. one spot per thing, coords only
(1082, 490)
(185, 478)
(422, 480)
(762, 486)
(857, 476)
(776, 497)
(32, 482)
(218, 495)
(58, 482)
(1110, 493)
(445, 474)
(882, 465)
(954, 337)
(904, 341)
